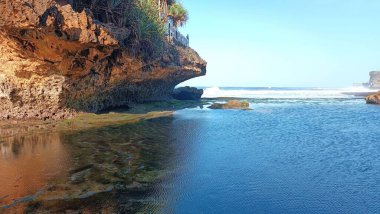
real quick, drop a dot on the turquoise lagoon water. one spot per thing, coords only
(298, 151)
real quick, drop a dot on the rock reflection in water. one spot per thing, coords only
(27, 163)
(113, 168)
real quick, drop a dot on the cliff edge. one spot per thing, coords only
(56, 61)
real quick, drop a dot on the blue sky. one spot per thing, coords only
(323, 43)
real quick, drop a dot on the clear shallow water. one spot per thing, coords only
(108, 169)
(316, 156)
(288, 155)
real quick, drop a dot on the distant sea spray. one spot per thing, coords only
(283, 92)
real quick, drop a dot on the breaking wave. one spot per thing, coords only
(287, 93)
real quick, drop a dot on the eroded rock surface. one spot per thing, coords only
(55, 62)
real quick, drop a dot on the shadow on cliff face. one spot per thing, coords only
(112, 168)
(88, 60)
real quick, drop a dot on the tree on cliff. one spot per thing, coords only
(178, 14)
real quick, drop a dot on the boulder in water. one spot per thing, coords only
(187, 93)
(232, 104)
(373, 99)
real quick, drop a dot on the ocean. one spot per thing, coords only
(300, 150)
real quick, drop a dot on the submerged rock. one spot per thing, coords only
(80, 175)
(56, 61)
(187, 93)
(373, 99)
(232, 104)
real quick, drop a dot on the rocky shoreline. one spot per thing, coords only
(104, 166)
(82, 121)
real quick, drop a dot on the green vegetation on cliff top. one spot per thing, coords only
(146, 20)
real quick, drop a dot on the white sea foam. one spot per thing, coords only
(286, 93)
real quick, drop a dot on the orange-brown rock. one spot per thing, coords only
(55, 62)
(373, 99)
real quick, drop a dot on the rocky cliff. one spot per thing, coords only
(56, 61)
(374, 81)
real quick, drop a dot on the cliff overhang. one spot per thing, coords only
(56, 62)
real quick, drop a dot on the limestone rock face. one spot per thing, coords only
(373, 99)
(374, 81)
(187, 93)
(55, 62)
